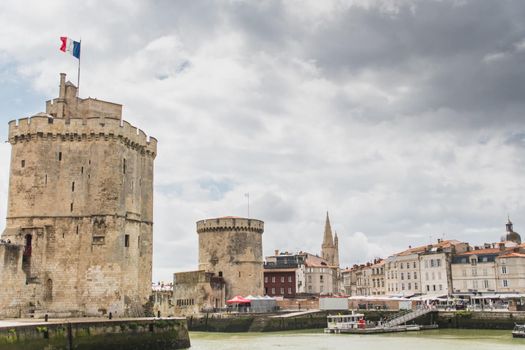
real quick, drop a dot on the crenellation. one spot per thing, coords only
(37, 126)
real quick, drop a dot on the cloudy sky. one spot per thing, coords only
(404, 119)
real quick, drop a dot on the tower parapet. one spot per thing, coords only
(230, 223)
(45, 126)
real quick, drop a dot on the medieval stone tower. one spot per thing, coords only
(330, 246)
(231, 247)
(80, 210)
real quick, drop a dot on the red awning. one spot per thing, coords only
(238, 300)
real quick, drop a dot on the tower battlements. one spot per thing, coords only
(231, 224)
(44, 126)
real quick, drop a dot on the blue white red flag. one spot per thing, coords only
(71, 46)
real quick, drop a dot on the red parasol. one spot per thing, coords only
(238, 300)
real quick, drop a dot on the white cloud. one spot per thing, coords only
(380, 112)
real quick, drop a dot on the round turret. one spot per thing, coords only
(231, 247)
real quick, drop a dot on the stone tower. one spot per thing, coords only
(80, 207)
(330, 246)
(231, 247)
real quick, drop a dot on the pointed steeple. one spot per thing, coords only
(328, 240)
(509, 224)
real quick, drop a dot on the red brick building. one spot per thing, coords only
(280, 282)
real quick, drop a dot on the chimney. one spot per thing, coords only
(62, 91)
(501, 246)
(276, 251)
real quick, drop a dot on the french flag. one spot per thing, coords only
(71, 46)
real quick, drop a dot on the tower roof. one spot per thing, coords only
(328, 240)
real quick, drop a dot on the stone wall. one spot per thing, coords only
(197, 291)
(144, 334)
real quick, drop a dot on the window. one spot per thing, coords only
(402, 286)
(321, 278)
(473, 261)
(289, 290)
(409, 286)
(273, 279)
(434, 287)
(73, 186)
(415, 275)
(504, 270)
(126, 241)
(23, 163)
(273, 291)
(401, 266)
(415, 286)
(402, 276)
(82, 170)
(431, 262)
(503, 261)
(124, 166)
(282, 279)
(505, 283)
(440, 287)
(282, 291)
(475, 284)
(265, 279)
(59, 156)
(71, 207)
(474, 272)
(438, 262)
(428, 288)
(485, 283)
(408, 275)
(414, 265)
(290, 279)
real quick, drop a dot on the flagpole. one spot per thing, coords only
(78, 73)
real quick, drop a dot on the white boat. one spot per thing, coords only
(518, 331)
(338, 323)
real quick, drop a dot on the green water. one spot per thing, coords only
(316, 340)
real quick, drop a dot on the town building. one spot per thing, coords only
(422, 269)
(298, 275)
(79, 227)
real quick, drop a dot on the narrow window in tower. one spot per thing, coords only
(239, 273)
(77, 229)
(82, 170)
(45, 180)
(59, 156)
(23, 163)
(71, 206)
(73, 186)
(124, 166)
(126, 241)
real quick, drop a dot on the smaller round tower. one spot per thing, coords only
(231, 247)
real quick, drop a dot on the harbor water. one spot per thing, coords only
(316, 340)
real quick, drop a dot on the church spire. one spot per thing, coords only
(328, 240)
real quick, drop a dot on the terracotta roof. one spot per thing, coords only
(513, 255)
(443, 244)
(482, 251)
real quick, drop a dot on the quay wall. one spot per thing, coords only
(480, 319)
(267, 323)
(144, 334)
